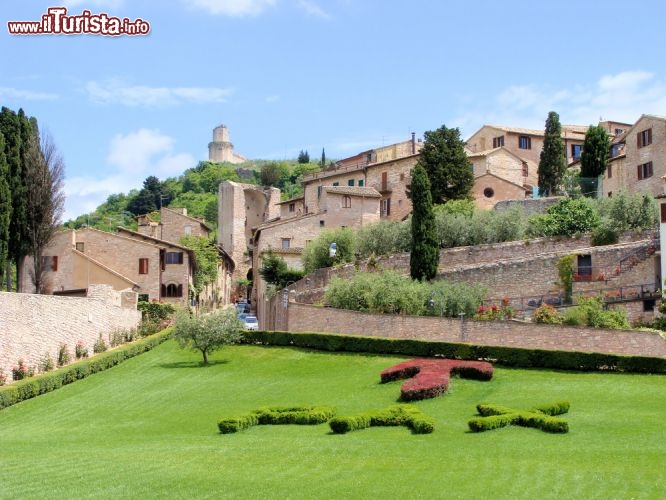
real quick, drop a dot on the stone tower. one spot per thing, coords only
(221, 150)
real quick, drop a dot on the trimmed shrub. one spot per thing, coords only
(100, 345)
(393, 416)
(542, 417)
(46, 364)
(63, 355)
(80, 350)
(237, 424)
(277, 415)
(547, 315)
(429, 378)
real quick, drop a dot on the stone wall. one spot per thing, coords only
(302, 317)
(33, 325)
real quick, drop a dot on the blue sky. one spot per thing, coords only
(345, 75)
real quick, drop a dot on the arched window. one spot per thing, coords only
(346, 201)
(172, 290)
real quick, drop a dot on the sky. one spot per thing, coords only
(291, 75)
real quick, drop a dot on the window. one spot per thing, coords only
(662, 208)
(285, 243)
(143, 297)
(80, 246)
(576, 150)
(526, 170)
(648, 305)
(524, 142)
(174, 257)
(360, 183)
(402, 176)
(498, 142)
(143, 266)
(489, 192)
(644, 138)
(336, 183)
(50, 263)
(644, 171)
(350, 182)
(609, 171)
(386, 207)
(322, 223)
(346, 201)
(319, 191)
(292, 207)
(307, 242)
(172, 290)
(384, 181)
(188, 230)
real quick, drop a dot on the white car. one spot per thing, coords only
(251, 323)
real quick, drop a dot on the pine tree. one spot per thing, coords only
(303, 157)
(424, 257)
(446, 164)
(553, 161)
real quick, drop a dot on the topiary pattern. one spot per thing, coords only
(277, 415)
(430, 377)
(542, 417)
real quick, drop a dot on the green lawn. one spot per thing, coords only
(147, 429)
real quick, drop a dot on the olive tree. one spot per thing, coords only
(207, 333)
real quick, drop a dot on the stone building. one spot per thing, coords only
(143, 261)
(221, 149)
(638, 158)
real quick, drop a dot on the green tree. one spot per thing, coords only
(152, 196)
(274, 270)
(323, 158)
(424, 256)
(567, 217)
(206, 257)
(5, 207)
(596, 150)
(207, 333)
(445, 162)
(10, 127)
(553, 161)
(271, 173)
(316, 254)
(303, 157)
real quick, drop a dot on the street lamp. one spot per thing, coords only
(333, 250)
(432, 303)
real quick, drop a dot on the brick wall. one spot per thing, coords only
(33, 325)
(303, 317)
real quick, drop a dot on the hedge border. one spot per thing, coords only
(541, 417)
(277, 415)
(505, 356)
(394, 416)
(41, 384)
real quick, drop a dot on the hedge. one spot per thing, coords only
(277, 415)
(504, 356)
(542, 417)
(50, 381)
(397, 415)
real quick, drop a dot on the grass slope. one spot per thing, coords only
(147, 428)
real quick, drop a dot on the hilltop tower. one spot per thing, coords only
(221, 150)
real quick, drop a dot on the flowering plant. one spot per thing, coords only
(21, 371)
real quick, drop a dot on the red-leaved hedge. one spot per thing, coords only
(429, 378)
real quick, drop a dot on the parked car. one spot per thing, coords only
(251, 322)
(242, 316)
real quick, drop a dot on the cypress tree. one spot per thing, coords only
(323, 158)
(424, 257)
(10, 126)
(596, 150)
(5, 207)
(553, 161)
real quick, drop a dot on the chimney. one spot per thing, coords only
(413, 143)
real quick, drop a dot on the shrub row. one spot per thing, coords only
(394, 416)
(277, 415)
(50, 381)
(504, 356)
(542, 417)
(430, 377)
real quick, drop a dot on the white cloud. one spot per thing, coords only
(132, 157)
(312, 9)
(27, 95)
(233, 8)
(118, 92)
(622, 97)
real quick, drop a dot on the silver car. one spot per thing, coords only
(251, 322)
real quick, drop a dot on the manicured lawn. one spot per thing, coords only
(147, 429)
